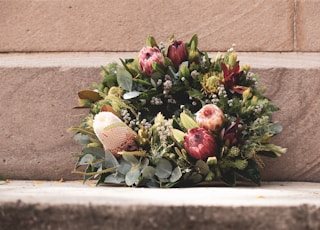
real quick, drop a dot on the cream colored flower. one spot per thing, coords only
(113, 133)
(210, 117)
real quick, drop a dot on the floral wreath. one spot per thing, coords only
(175, 117)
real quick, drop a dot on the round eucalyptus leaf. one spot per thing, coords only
(132, 177)
(148, 172)
(86, 159)
(115, 178)
(176, 174)
(163, 168)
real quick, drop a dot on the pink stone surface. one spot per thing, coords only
(107, 25)
(308, 25)
(36, 110)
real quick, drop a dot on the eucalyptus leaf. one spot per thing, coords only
(98, 153)
(114, 178)
(110, 160)
(86, 159)
(131, 159)
(202, 167)
(148, 172)
(176, 174)
(82, 139)
(276, 128)
(124, 167)
(132, 176)
(124, 79)
(163, 168)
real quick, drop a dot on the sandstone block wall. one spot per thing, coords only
(107, 25)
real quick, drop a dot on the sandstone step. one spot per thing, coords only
(107, 25)
(38, 92)
(72, 205)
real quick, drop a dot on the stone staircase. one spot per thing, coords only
(49, 50)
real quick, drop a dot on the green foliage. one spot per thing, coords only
(162, 107)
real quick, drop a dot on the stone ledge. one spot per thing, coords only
(295, 60)
(56, 205)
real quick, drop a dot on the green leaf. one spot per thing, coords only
(187, 121)
(86, 159)
(148, 172)
(178, 135)
(193, 42)
(158, 68)
(110, 160)
(82, 139)
(124, 167)
(98, 153)
(151, 41)
(176, 174)
(131, 159)
(163, 169)
(89, 95)
(228, 177)
(251, 172)
(202, 167)
(124, 79)
(114, 178)
(132, 176)
(276, 128)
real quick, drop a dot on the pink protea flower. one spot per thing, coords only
(200, 143)
(147, 56)
(177, 52)
(210, 117)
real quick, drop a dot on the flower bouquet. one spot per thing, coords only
(172, 117)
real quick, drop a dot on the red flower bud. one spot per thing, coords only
(200, 143)
(177, 52)
(147, 56)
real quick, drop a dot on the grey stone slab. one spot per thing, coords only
(72, 205)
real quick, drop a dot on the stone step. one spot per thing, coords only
(39, 90)
(73, 205)
(107, 25)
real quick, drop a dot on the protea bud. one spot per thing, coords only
(177, 52)
(147, 56)
(200, 143)
(114, 134)
(210, 117)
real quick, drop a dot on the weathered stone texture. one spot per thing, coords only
(71, 205)
(107, 25)
(307, 25)
(36, 110)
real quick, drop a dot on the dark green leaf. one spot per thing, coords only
(251, 172)
(228, 177)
